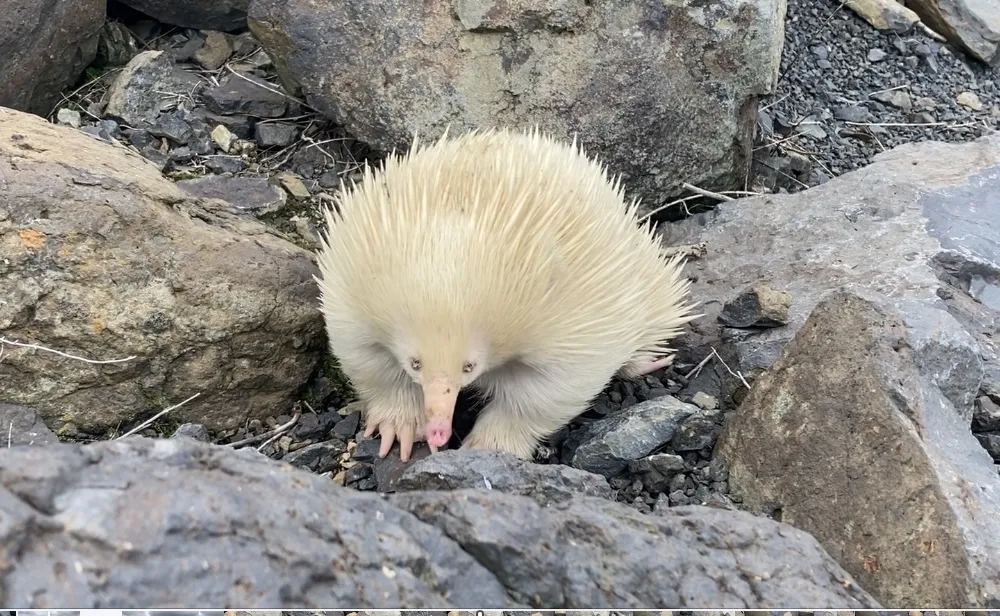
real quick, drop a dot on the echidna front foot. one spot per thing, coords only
(496, 436)
(641, 367)
(395, 415)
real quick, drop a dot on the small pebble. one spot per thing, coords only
(69, 117)
(876, 55)
(970, 100)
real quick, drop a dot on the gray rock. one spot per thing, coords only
(244, 194)
(608, 445)
(225, 15)
(657, 470)
(46, 45)
(970, 24)
(493, 470)
(225, 164)
(69, 117)
(899, 99)
(697, 431)
(910, 208)
(591, 553)
(141, 90)
(173, 126)
(241, 94)
(192, 430)
(854, 113)
(991, 443)
(174, 522)
(663, 94)
(986, 417)
(20, 425)
(876, 55)
(275, 134)
(318, 457)
(201, 300)
(854, 442)
(347, 427)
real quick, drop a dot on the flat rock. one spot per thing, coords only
(607, 445)
(241, 94)
(224, 15)
(588, 552)
(970, 24)
(143, 88)
(662, 92)
(20, 425)
(244, 194)
(850, 439)
(885, 14)
(103, 258)
(46, 45)
(493, 470)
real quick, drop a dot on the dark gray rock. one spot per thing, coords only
(220, 163)
(145, 86)
(241, 94)
(986, 417)
(317, 457)
(697, 431)
(225, 15)
(347, 427)
(275, 134)
(991, 443)
(656, 471)
(608, 445)
(493, 470)
(173, 126)
(759, 306)
(177, 523)
(45, 46)
(244, 194)
(588, 552)
(20, 425)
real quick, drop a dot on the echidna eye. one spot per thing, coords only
(415, 363)
(468, 367)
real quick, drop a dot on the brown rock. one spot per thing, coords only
(45, 45)
(884, 14)
(759, 306)
(215, 51)
(846, 440)
(664, 93)
(103, 258)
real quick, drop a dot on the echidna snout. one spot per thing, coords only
(440, 395)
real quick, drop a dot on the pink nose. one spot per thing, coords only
(437, 433)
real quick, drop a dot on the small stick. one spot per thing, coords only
(706, 193)
(83, 359)
(10, 433)
(914, 124)
(701, 364)
(738, 375)
(157, 416)
(280, 430)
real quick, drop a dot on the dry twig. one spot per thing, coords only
(157, 416)
(273, 434)
(39, 347)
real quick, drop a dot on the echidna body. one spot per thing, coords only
(500, 259)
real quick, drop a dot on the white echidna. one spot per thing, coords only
(500, 259)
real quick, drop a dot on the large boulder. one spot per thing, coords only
(848, 438)
(104, 259)
(902, 226)
(970, 24)
(224, 15)
(664, 93)
(181, 524)
(920, 227)
(45, 45)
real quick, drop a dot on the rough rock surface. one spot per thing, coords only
(178, 523)
(971, 24)
(901, 227)
(20, 425)
(225, 15)
(45, 45)
(457, 469)
(902, 496)
(103, 258)
(664, 93)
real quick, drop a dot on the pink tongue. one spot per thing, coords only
(437, 433)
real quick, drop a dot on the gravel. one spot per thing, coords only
(845, 88)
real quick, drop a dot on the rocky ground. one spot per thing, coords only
(847, 92)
